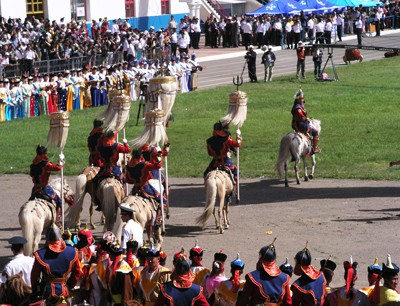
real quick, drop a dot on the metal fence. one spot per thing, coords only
(60, 65)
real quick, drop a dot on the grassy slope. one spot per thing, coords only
(359, 117)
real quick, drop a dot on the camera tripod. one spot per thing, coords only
(330, 58)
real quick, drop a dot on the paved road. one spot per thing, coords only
(224, 64)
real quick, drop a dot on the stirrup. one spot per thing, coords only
(316, 150)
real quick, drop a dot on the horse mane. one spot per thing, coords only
(315, 123)
(15, 290)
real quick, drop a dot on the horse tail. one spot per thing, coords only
(26, 222)
(73, 213)
(109, 205)
(283, 156)
(211, 195)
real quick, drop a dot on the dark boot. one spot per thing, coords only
(315, 145)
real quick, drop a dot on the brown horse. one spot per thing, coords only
(219, 186)
(145, 214)
(110, 193)
(15, 291)
(37, 215)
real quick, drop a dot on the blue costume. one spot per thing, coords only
(58, 265)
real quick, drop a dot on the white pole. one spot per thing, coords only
(166, 183)
(125, 161)
(62, 196)
(238, 177)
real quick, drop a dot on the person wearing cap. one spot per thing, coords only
(229, 290)
(94, 86)
(40, 171)
(216, 276)
(120, 277)
(267, 284)
(139, 172)
(251, 57)
(4, 93)
(219, 146)
(347, 295)
(374, 274)
(195, 67)
(27, 91)
(268, 59)
(327, 268)
(382, 295)
(109, 151)
(310, 288)
(93, 143)
(300, 120)
(301, 59)
(180, 290)
(199, 271)
(317, 59)
(175, 70)
(19, 263)
(185, 70)
(57, 266)
(131, 228)
(15, 100)
(152, 276)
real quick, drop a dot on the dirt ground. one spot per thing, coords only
(336, 217)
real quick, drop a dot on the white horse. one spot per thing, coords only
(218, 185)
(83, 186)
(296, 146)
(37, 215)
(110, 193)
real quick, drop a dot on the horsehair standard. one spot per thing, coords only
(154, 131)
(117, 113)
(164, 89)
(237, 110)
(58, 133)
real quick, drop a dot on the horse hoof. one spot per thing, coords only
(311, 176)
(221, 231)
(93, 226)
(298, 183)
(306, 179)
(286, 184)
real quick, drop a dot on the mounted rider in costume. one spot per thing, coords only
(219, 146)
(149, 154)
(93, 143)
(300, 121)
(40, 170)
(139, 172)
(109, 151)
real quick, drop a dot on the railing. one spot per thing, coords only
(60, 65)
(215, 4)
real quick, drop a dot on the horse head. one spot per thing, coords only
(316, 124)
(69, 194)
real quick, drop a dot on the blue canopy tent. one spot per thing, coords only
(277, 7)
(323, 6)
(355, 3)
(273, 8)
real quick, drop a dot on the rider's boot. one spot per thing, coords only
(315, 145)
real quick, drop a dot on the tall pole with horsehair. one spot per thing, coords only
(58, 134)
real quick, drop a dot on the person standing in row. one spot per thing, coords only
(250, 57)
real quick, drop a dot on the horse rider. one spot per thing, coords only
(93, 143)
(109, 151)
(219, 146)
(138, 172)
(310, 287)
(57, 266)
(300, 120)
(267, 285)
(40, 170)
(149, 153)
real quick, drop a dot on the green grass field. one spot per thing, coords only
(359, 115)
